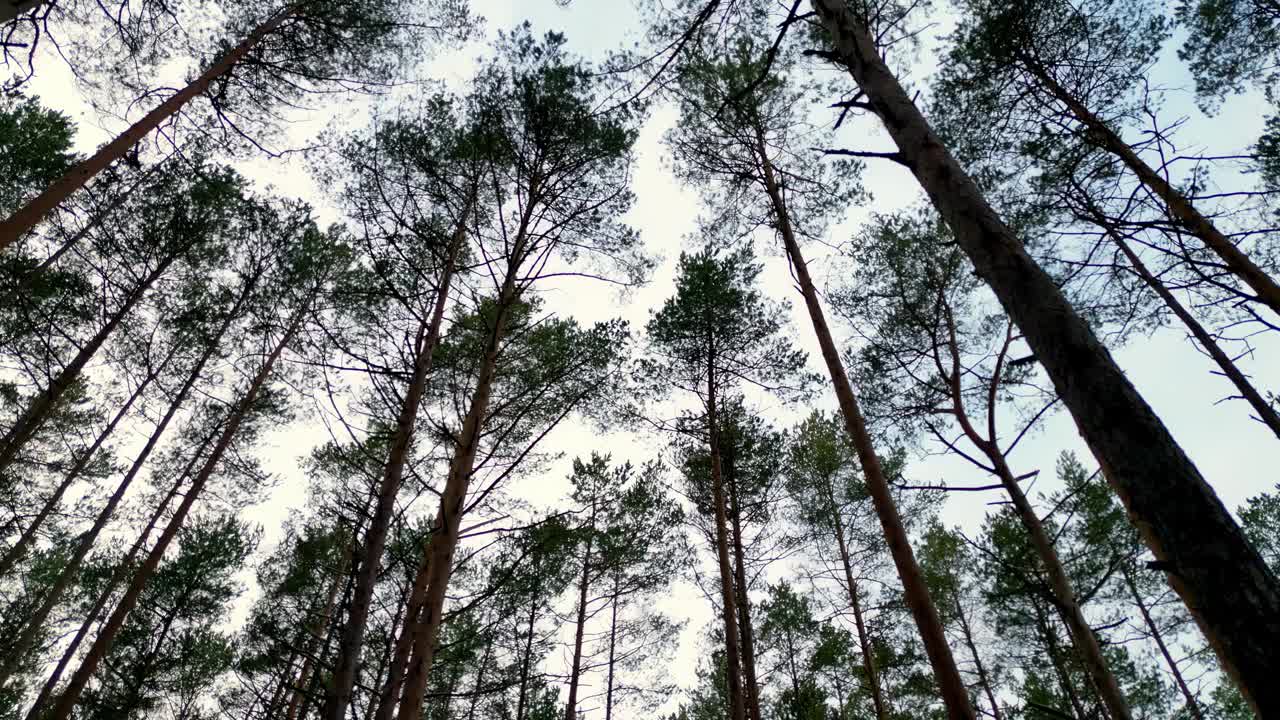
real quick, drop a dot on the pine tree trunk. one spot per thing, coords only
(375, 539)
(19, 549)
(1193, 706)
(37, 208)
(1059, 665)
(404, 643)
(983, 679)
(118, 576)
(317, 633)
(37, 411)
(613, 647)
(955, 695)
(1064, 595)
(441, 550)
(35, 623)
(480, 676)
(864, 638)
(744, 603)
(733, 653)
(1221, 578)
(1180, 207)
(62, 710)
(584, 586)
(1266, 413)
(522, 701)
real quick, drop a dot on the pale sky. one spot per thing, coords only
(1233, 452)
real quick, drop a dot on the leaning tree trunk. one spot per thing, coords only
(317, 632)
(38, 410)
(77, 177)
(584, 588)
(19, 549)
(983, 678)
(71, 569)
(375, 539)
(445, 542)
(409, 627)
(1193, 706)
(118, 576)
(955, 694)
(864, 637)
(1179, 205)
(1224, 582)
(744, 604)
(62, 710)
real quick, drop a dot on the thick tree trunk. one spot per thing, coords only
(864, 637)
(317, 632)
(584, 587)
(1193, 706)
(118, 576)
(69, 571)
(36, 209)
(375, 539)
(19, 549)
(1266, 412)
(983, 678)
(744, 603)
(1180, 207)
(733, 654)
(444, 544)
(62, 710)
(37, 411)
(1230, 591)
(955, 695)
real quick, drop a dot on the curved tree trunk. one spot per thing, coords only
(62, 710)
(1224, 582)
(77, 177)
(375, 538)
(955, 694)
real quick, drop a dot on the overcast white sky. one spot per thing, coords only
(1233, 452)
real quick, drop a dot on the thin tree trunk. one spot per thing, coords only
(444, 544)
(983, 679)
(317, 633)
(733, 654)
(522, 700)
(1064, 595)
(37, 411)
(584, 586)
(118, 576)
(37, 208)
(480, 675)
(1192, 705)
(375, 539)
(864, 637)
(744, 602)
(613, 648)
(19, 548)
(1223, 580)
(955, 695)
(1179, 205)
(1266, 413)
(35, 623)
(62, 710)
(1056, 659)
(314, 691)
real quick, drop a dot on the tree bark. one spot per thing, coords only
(410, 625)
(1221, 578)
(19, 549)
(733, 653)
(584, 587)
(317, 632)
(1192, 704)
(393, 473)
(37, 208)
(744, 602)
(37, 411)
(445, 543)
(1179, 205)
(35, 623)
(955, 695)
(62, 710)
(864, 638)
